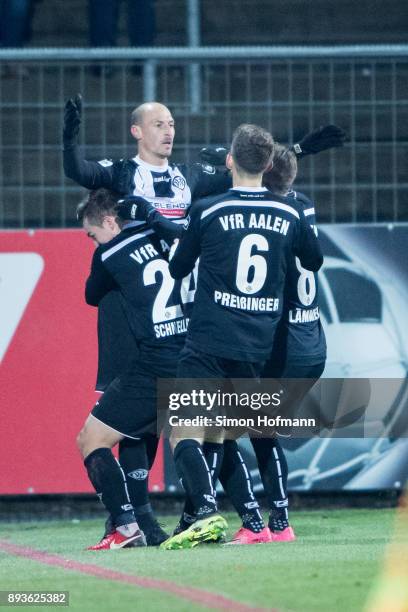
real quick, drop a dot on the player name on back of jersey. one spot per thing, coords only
(269, 222)
(172, 328)
(304, 315)
(254, 304)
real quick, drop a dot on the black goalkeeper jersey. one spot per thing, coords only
(244, 240)
(170, 189)
(300, 337)
(134, 262)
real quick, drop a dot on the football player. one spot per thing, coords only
(132, 261)
(116, 346)
(244, 239)
(299, 350)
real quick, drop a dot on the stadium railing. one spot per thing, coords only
(289, 90)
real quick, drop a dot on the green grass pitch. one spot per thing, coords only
(331, 566)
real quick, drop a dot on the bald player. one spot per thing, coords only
(169, 187)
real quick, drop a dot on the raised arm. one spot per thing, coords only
(89, 174)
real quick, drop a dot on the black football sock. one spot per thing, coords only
(152, 443)
(134, 462)
(213, 453)
(237, 483)
(273, 469)
(109, 527)
(108, 480)
(134, 453)
(188, 516)
(195, 477)
(141, 453)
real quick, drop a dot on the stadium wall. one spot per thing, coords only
(48, 354)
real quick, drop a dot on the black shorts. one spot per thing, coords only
(211, 375)
(293, 370)
(129, 404)
(195, 364)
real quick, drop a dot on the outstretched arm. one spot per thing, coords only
(323, 138)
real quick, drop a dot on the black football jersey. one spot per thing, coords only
(170, 188)
(300, 337)
(133, 262)
(244, 240)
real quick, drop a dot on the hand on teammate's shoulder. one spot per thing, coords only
(134, 208)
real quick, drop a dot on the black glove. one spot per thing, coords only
(215, 156)
(321, 139)
(72, 120)
(134, 208)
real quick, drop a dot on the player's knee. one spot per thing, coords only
(176, 439)
(217, 436)
(82, 441)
